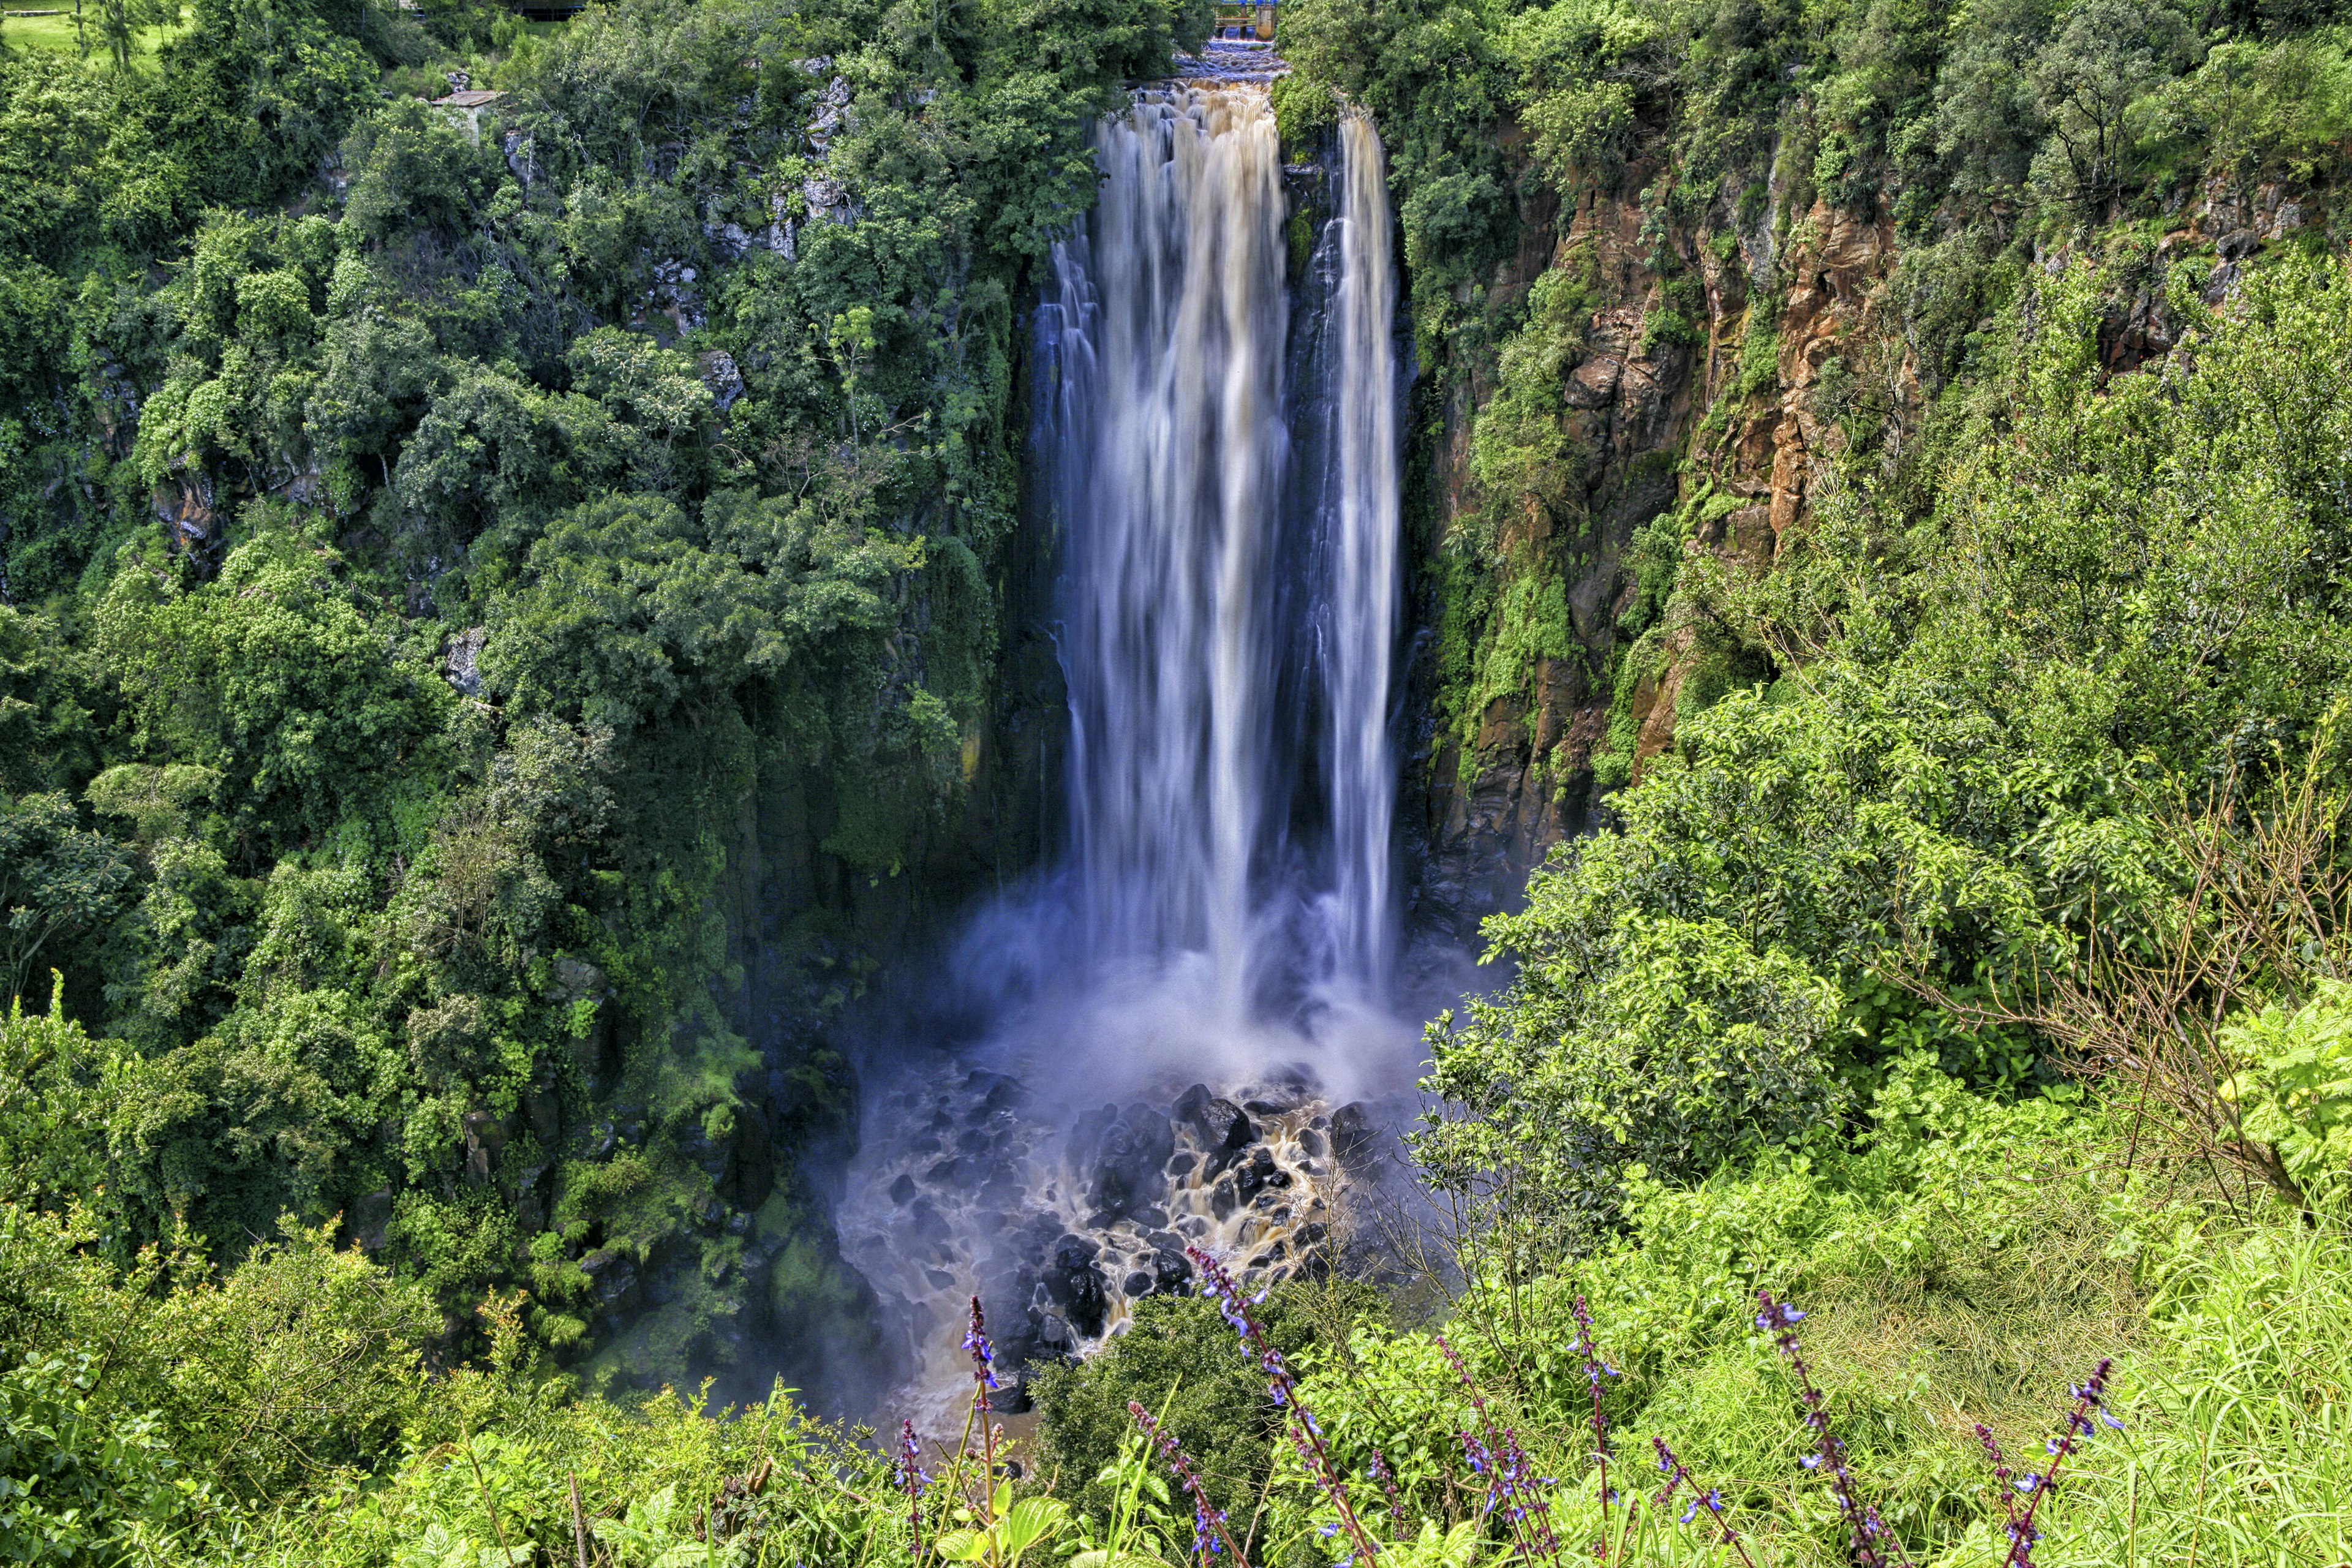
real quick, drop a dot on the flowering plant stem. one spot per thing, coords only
(2090, 1396)
(1509, 1486)
(1593, 1369)
(1282, 1386)
(910, 1477)
(1866, 1530)
(1209, 1530)
(1710, 1500)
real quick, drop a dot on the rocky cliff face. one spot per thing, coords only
(1716, 435)
(1727, 432)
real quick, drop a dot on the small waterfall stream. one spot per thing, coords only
(1218, 453)
(1364, 583)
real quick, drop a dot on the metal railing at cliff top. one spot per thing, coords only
(1253, 20)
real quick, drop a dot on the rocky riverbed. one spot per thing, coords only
(1059, 1221)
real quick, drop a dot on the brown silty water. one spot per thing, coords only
(1061, 1228)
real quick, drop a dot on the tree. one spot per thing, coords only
(56, 878)
(118, 22)
(2106, 54)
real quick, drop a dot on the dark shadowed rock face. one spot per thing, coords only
(1225, 1129)
(1075, 1285)
(1129, 1162)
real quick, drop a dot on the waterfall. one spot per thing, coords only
(1208, 627)
(1364, 582)
(1169, 1040)
(1168, 460)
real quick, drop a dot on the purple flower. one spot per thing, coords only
(1711, 1499)
(1863, 1524)
(1209, 1535)
(1281, 1388)
(2089, 1396)
(983, 1354)
(910, 1479)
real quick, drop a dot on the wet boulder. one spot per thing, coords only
(1220, 1123)
(1353, 1137)
(1172, 1271)
(1075, 1285)
(1126, 1176)
(1258, 1172)
(996, 1091)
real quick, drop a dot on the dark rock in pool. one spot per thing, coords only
(1353, 1137)
(1259, 1170)
(1222, 1199)
(1126, 1176)
(991, 1085)
(1181, 1165)
(902, 1190)
(1311, 1141)
(1220, 1122)
(1003, 1191)
(1003, 1094)
(1086, 1132)
(1171, 1270)
(946, 1173)
(1075, 1285)
(1137, 1284)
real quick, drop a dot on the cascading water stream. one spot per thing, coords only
(1192, 589)
(1219, 455)
(1169, 432)
(1364, 584)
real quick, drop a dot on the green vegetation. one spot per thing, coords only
(452, 586)
(440, 569)
(1711, 146)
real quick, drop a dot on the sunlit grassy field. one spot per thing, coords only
(57, 33)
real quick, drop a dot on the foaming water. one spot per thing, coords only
(1180, 1019)
(1169, 445)
(1364, 550)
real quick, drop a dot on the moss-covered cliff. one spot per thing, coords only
(1684, 271)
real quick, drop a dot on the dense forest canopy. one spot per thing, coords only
(506, 612)
(423, 538)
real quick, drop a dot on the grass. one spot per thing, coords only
(55, 34)
(2240, 1409)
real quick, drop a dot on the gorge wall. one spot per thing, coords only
(1704, 408)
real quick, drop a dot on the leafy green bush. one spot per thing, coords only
(76, 1483)
(1177, 1360)
(2293, 1090)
